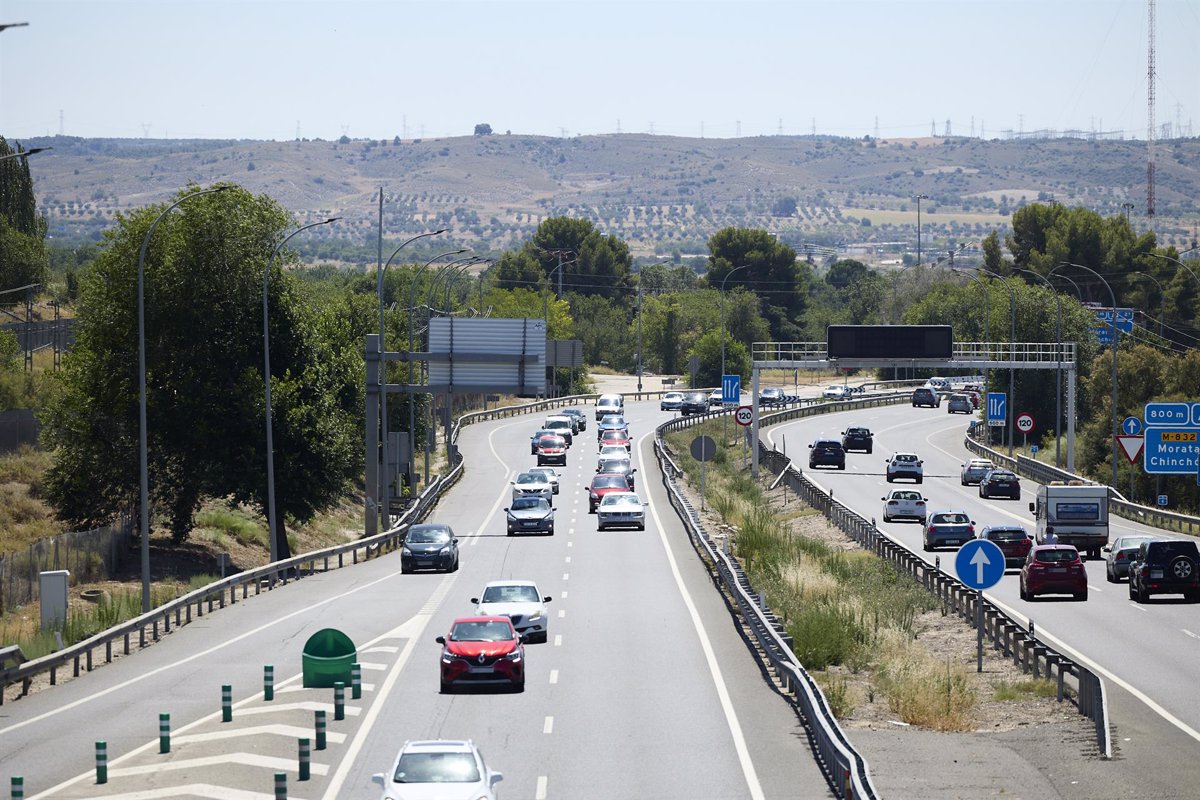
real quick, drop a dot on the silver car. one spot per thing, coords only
(551, 476)
(671, 401)
(532, 484)
(621, 510)
(974, 470)
(905, 465)
(530, 515)
(960, 404)
(1118, 555)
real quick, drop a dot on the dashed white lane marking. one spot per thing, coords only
(245, 759)
(548, 725)
(564, 594)
(568, 560)
(558, 640)
(566, 577)
(1095, 588)
(570, 544)
(562, 612)
(1138, 607)
(540, 794)
(1189, 633)
(553, 676)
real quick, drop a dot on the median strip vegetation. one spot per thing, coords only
(848, 612)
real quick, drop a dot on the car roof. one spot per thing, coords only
(491, 584)
(981, 461)
(439, 745)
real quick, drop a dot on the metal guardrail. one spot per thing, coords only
(843, 766)
(1117, 504)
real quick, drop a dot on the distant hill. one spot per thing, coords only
(662, 194)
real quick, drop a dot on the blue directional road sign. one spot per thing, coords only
(1124, 318)
(1172, 451)
(979, 564)
(1166, 414)
(997, 409)
(1104, 334)
(731, 388)
(1131, 426)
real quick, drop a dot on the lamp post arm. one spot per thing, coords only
(722, 298)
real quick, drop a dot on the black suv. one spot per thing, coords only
(857, 439)
(827, 452)
(694, 403)
(926, 397)
(1165, 566)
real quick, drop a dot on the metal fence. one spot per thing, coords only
(842, 764)
(89, 555)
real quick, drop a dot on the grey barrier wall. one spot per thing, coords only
(843, 766)
(1006, 634)
(17, 427)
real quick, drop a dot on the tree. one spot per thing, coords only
(204, 382)
(784, 207)
(23, 258)
(772, 273)
(592, 263)
(483, 129)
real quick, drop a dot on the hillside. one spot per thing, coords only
(660, 193)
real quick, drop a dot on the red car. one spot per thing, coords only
(616, 436)
(551, 450)
(482, 651)
(1053, 569)
(975, 397)
(602, 484)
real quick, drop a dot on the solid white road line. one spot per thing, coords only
(714, 668)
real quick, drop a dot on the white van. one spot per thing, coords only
(561, 425)
(609, 404)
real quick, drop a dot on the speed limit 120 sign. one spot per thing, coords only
(744, 415)
(1024, 422)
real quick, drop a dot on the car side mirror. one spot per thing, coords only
(883, 498)
(495, 778)
(1106, 549)
(440, 640)
(633, 470)
(475, 600)
(379, 778)
(506, 509)
(454, 540)
(547, 599)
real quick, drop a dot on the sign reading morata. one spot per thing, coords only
(890, 341)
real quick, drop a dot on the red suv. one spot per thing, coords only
(1013, 540)
(482, 650)
(616, 436)
(603, 484)
(1053, 569)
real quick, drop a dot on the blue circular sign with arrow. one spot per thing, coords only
(979, 564)
(1131, 426)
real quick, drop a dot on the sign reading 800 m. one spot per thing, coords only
(1172, 444)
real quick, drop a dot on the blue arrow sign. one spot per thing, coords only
(979, 564)
(731, 388)
(1131, 426)
(997, 408)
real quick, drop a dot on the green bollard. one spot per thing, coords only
(320, 726)
(355, 681)
(164, 733)
(280, 786)
(227, 703)
(18, 788)
(268, 682)
(339, 700)
(101, 762)
(305, 757)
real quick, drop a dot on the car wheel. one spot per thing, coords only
(447, 687)
(841, 466)
(1192, 596)
(551, 530)
(919, 480)
(641, 527)
(1017, 496)
(510, 533)
(868, 451)
(886, 518)
(926, 547)
(889, 478)
(1021, 591)
(1108, 574)
(1081, 595)
(1132, 591)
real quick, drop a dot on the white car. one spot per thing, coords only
(443, 768)
(562, 425)
(716, 398)
(904, 503)
(836, 391)
(905, 465)
(533, 484)
(551, 476)
(671, 401)
(609, 404)
(613, 451)
(521, 602)
(621, 510)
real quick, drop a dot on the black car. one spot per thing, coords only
(857, 438)
(925, 396)
(1165, 566)
(771, 397)
(617, 466)
(579, 417)
(1000, 483)
(430, 545)
(694, 403)
(828, 453)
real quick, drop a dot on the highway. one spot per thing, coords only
(644, 689)
(1148, 650)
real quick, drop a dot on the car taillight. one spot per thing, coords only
(893, 502)
(933, 528)
(920, 502)
(971, 529)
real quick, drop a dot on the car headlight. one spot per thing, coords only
(514, 656)
(536, 616)
(404, 551)
(448, 657)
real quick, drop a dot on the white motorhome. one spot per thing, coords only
(1075, 513)
(609, 404)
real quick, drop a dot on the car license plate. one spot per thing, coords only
(1058, 570)
(529, 524)
(1156, 574)
(482, 670)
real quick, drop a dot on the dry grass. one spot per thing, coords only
(920, 689)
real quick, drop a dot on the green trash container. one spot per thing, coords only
(327, 657)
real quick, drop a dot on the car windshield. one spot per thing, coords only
(436, 768)
(1007, 534)
(1057, 555)
(527, 503)
(856, 431)
(612, 450)
(551, 441)
(981, 465)
(530, 479)
(951, 519)
(997, 475)
(482, 631)
(428, 535)
(621, 500)
(610, 482)
(614, 435)
(672, 396)
(547, 472)
(614, 465)
(612, 419)
(697, 397)
(511, 594)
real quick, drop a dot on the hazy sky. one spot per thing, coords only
(263, 69)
